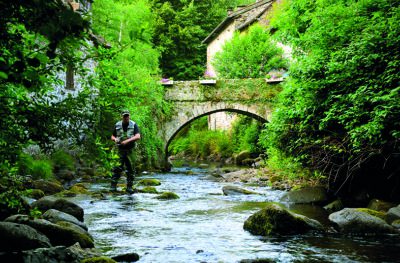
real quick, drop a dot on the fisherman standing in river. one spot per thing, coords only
(125, 133)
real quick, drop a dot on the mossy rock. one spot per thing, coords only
(168, 196)
(396, 224)
(149, 182)
(48, 187)
(98, 260)
(371, 212)
(79, 189)
(148, 190)
(35, 193)
(275, 219)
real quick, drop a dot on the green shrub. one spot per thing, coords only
(62, 160)
(250, 55)
(42, 169)
(38, 169)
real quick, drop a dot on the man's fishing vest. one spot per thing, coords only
(125, 135)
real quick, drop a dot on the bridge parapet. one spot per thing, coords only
(245, 90)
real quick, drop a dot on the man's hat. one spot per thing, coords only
(125, 112)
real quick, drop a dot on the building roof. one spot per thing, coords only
(244, 16)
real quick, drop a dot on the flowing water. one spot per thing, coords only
(206, 226)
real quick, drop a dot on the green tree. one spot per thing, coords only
(37, 40)
(180, 27)
(339, 113)
(250, 55)
(127, 72)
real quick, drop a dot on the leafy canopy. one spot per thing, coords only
(249, 55)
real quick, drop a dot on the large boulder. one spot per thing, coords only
(58, 235)
(356, 221)
(63, 205)
(55, 216)
(393, 214)
(16, 237)
(71, 254)
(275, 219)
(240, 157)
(48, 187)
(306, 195)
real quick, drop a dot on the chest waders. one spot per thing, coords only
(124, 153)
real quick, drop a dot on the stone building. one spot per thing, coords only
(238, 20)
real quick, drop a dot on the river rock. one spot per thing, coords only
(55, 216)
(58, 235)
(16, 237)
(354, 221)
(379, 205)
(48, 187)
(74, 227)
(334, 206)
(168, 196)
(35, 193)
(129, 257)
(275, 219)
(393, 214)
(306, 195)
(241, 156)
(57, 254)
(79, 188)
(148, 190)
(50, 202)
(235, 176)
(149, 182)
(235, 190)
(101, 259)
(396, 224)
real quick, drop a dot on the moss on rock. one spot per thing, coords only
(148, 190)
(275, 219)
(371, 212)
(98, 260)
(35, 193)
(168, 196)
(79, 189)
(149, 182)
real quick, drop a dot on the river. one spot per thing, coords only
(206, 226)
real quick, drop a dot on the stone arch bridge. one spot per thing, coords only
(191, 100)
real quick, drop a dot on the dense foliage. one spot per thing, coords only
(127, 72)
(197, 141)
(340, 111)
(38, 40)
(250, 55)
(180, 27)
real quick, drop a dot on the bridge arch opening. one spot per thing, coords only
(191, 120)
